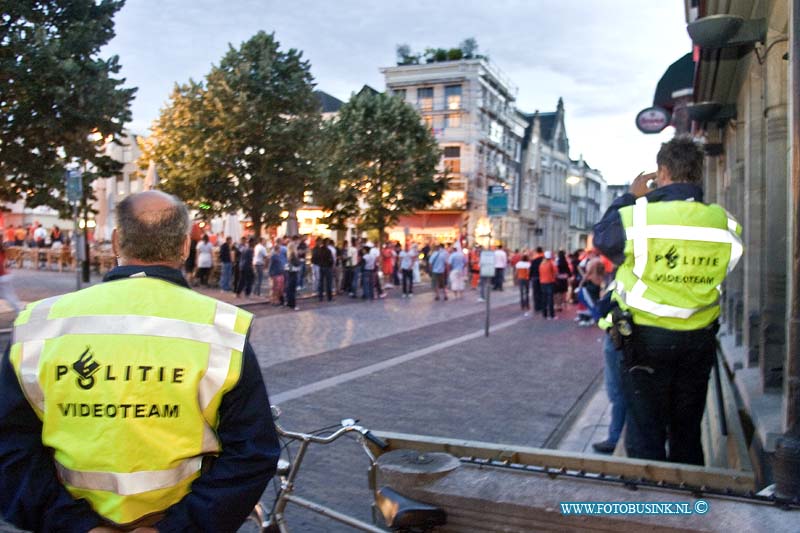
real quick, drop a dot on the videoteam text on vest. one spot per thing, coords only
(687, 278)
(119, 410)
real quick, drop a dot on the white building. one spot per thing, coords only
(588, 202)
(469, 106)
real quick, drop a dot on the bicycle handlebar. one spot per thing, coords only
(332, 437)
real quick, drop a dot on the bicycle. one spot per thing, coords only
(398, 513)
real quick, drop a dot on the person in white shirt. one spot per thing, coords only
(523, 271)
(408, 259)
(259, 263)
(205, 252)
(500, 263)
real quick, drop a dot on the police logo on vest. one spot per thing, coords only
(673, 259)
(88, 371)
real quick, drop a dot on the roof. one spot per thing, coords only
(369, 90)
(547, 125)
(679, 77)
(328, 103)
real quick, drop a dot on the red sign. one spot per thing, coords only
(653, 120)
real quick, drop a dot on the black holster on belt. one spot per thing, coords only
(621, 333)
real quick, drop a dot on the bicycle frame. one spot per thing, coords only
(286, 495)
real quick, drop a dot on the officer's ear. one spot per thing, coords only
(187, 243)
(115, 242)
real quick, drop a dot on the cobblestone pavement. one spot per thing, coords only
(413, 366)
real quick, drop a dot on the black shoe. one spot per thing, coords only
(605, 446)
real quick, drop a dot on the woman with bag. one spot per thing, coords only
(563, 274)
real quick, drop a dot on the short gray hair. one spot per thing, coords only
(153, 236)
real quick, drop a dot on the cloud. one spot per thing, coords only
(604, 57)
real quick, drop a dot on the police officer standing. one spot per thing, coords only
(136, 404)
(673, 253)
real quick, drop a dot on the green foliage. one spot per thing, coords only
(405, 57)
(54, 93)
(381, 153)
(244, 138)
(468, 49)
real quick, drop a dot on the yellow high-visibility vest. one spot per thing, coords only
(127, 378)
(677, 254)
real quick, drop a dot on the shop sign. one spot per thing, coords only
(653, 120)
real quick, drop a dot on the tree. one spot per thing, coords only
(59, 102)
(469, 47)
(243, 139)
(381, 155)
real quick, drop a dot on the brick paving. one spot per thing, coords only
(514, 387)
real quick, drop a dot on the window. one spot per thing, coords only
(400, 93)
(452, 96)
(452, 120)
(425, 98)
(428, 120)
(452, 159)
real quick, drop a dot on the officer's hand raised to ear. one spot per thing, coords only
(639, 186)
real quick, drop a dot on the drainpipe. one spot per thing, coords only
(787, 452)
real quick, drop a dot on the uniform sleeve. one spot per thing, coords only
(609, 235)
(221, 498)
(31, 496)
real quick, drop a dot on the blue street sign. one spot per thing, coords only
(74, 186)
(497, 201)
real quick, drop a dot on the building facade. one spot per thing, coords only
(588, 202)
(469, 106)
(746, 115)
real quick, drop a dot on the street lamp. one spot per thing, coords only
(573, 180)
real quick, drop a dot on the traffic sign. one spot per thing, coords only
(74, 186)
(497, 201)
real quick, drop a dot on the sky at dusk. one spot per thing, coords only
(603, 57)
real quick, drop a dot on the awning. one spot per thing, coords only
(676, 82)
(430, 220)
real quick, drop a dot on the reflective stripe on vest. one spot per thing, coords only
(128, 484)
(639, 233)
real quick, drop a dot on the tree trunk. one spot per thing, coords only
(255, 219)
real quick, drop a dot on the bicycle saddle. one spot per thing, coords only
(400, 512)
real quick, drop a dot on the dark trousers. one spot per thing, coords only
(245, 282)
(547, 299)
(291, 289)
(664, 382)
(325, 283)
(203, 273)
(408, 281)
(347, 280)
(538, 297)
(499, 275)
(524, 295)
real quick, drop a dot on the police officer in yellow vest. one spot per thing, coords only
(136, 404)
(673, 253)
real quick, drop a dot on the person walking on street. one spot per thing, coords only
(226, 267)
(673, 252)
(302, 250)
(112, 428)
(457, 264)
(500, 264)
(523, 274)
(563, 274)
(277, 269)
(547, 281)
(368, 277)
(292, 274)
(323, 259)
(246, 274)
(259, 263)
(536, 287)
(438, 262)
(205, 253)
(236, 250)
(407, 260)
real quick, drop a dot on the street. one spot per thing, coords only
(407, 365)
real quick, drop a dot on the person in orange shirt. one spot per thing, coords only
(547, 281)
(8, 236)
(475, 265)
